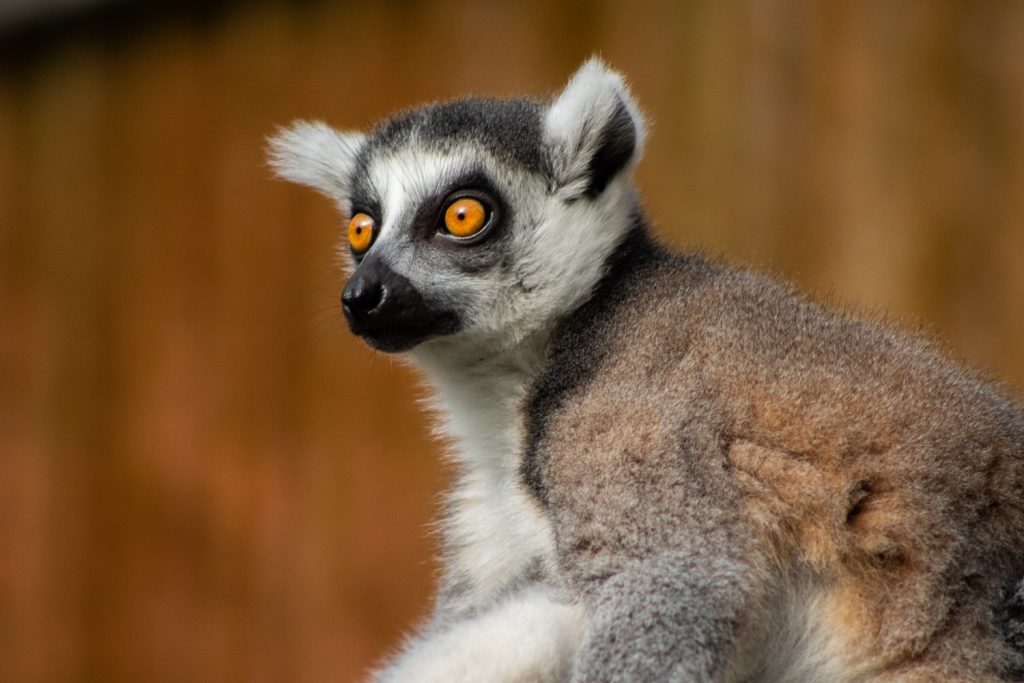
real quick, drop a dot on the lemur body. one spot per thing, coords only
(813, 458)
(668, 469)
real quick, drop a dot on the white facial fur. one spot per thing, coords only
(554, 255)
(559, 240)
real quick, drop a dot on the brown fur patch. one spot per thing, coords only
(731, 411)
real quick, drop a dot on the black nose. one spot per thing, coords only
(388, 312)
(362, 295)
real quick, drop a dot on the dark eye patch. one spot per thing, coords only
(423, 223)
(428, 217)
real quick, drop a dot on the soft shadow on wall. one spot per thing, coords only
(202, 477)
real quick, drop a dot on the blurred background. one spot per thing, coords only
(203, 477)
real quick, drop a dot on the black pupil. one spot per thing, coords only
(461, 214)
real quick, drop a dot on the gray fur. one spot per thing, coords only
(669, 469)
(1011, 619)
(715, 388)
(510, 129)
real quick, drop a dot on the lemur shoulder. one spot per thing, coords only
(669, 469)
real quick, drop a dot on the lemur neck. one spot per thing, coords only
(493, 533)
(479, 397)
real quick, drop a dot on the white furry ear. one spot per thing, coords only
(312, 153)
(593, 130)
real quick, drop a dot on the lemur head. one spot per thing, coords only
(479, 221)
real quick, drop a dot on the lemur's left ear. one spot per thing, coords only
(312, 153)
(593, 130)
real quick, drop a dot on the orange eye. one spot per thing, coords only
(360, 232)
(465, 217)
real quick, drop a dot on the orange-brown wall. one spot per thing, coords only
(204, 478)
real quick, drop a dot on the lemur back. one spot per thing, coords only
(668, 469)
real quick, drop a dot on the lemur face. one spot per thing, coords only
(477, 220)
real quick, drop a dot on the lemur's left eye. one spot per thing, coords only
(360, 233)
(465, 217)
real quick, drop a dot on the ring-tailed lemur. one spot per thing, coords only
(669, 469)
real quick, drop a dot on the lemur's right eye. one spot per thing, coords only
(360, 232)
(465, 217)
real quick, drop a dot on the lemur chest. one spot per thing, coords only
(498, 536)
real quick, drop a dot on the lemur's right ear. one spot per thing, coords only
(312, 153)
(592, 131)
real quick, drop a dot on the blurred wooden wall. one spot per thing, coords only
(203, 478)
